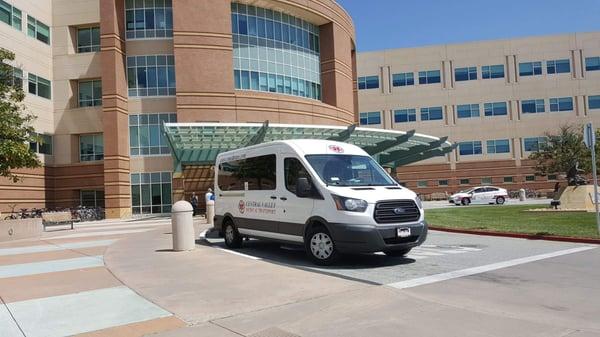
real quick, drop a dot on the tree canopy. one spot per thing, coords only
(16, 130)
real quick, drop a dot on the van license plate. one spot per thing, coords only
(403, 232)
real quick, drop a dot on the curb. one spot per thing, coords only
(517, 235)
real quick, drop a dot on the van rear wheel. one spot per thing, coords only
(320, 246)
(233, 239)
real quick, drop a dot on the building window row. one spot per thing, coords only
(146, 137)
(91, 198)
(465, 74)
(594, 102)
(403, 79)
(467, 110)
(495, 109)
(429, 77)
(432, 113)
(39, 86)
(561, 104)
(152, 75)
(148, 19)
(592, 63)
(533, 144)
(552, 67)
(275, 52)
(494, 146)
(370, 118)
(91, 147)
(151, 193)
(11, 15)
(88, 39)
(38, 30)
(42, 144)
(90, 93)
(368, 82)
(405, 115)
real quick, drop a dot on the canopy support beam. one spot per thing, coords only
(259, 137)
(400, 154)
(344, 135)
(388, 144)
(424, 155)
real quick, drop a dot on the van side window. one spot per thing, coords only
(258, 172)
(293, 170)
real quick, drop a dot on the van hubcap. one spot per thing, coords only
(321, 246)
(229, 234)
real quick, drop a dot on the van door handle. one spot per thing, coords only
(283, 198)
(273, 197)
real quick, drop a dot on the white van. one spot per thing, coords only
(328, 196)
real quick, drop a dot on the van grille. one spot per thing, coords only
(385, 211)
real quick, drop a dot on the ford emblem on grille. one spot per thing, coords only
(399, 210)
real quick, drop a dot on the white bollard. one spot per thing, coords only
(210, 212)
(522, 195)
(182, 223)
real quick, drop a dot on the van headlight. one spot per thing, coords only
(419, 203)
(349, 204)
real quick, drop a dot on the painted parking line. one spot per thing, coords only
(8, 327)
(54, 247)
(118, 223)
(104, 227)
(98, 233)
(483, 269)
(82, 312)
(23, 269)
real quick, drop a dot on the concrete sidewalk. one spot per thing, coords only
(218, 293)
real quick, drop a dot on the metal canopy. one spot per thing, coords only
(200, 143)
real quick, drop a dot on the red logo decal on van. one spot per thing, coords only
(242, 206)
(336, 148)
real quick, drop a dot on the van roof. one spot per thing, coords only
(304, 147)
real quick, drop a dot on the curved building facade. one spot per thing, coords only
(118, 69)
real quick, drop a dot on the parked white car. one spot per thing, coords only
(480, 195)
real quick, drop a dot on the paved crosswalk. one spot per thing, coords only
(59, 286)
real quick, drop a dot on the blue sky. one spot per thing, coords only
(386, 24)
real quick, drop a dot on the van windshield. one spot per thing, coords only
(349, 170)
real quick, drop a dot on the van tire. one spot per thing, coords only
(320, 246)
(397, 253)
(233, 239)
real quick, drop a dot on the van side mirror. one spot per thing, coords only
(303, 187)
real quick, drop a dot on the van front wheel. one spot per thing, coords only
(320, 246)
(233, 239)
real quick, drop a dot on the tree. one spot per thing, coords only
(562, 150)
(16, 130)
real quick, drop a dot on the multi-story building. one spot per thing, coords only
(103, 75)
(496, 99)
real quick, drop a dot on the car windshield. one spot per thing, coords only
(349, 170)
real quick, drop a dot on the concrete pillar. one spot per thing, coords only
(115, 119)
(182, 222)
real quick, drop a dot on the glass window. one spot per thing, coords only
(39, 86)
(148, 19)
(405, 115)
(486, 181)
(403, 79)
(470, 148)
(88, 39)
(10, 15)
(529, 178)
(558, 66)
(151, 75)
(294, 170)
(429, 77)
(533, 144)
(145, 134)
(552, 177)
(530, 68)
(495, 109)
(531, 106)
(498, 146)
(464, 181)
(90, 93)
(443, 182)
(276, 53)
(493, 71)
(561, 104)
(431, 113)
(594, 102)
(467, 110)
(422, 183)
(91, 198)
(508, 180)
(91, 147)
(349, 170)
(11, 75)
(370, 118)
(151, 193)
(257, 173)
(38, 30)
(592, 63)
(465, 74)
(368, 82)
(43, 145)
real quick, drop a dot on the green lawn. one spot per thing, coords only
(515, 219)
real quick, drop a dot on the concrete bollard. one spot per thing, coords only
(522, 196)
(210, 212)
(182, 223)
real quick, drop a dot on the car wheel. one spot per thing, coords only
(465, 201)
(500, 200)
(399, 252)
(233, 239)
(320, 246)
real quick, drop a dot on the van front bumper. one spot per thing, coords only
(371, 238)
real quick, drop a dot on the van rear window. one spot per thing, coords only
(257, 172)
